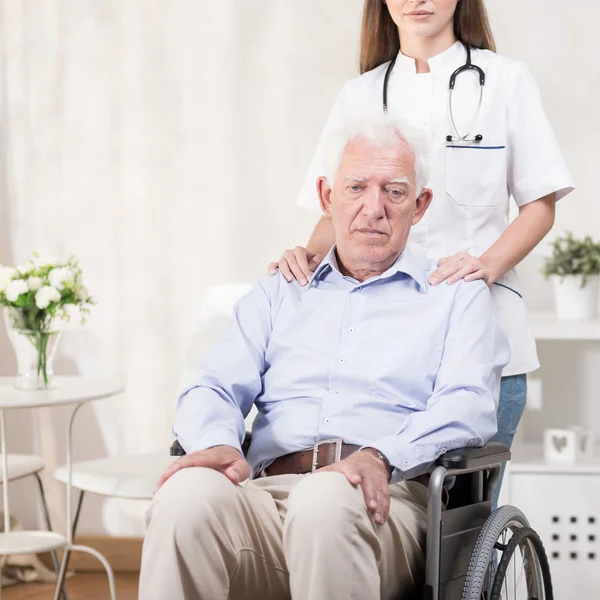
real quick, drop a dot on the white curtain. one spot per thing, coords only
(162, 142)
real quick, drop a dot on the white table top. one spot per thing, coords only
(66, 390)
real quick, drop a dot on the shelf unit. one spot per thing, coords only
(546, 326)
(561, 500)
(529, 458)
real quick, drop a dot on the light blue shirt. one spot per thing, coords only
(391, 363)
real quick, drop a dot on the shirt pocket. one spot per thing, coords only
(475, 175)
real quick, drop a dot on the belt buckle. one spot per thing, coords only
(338, 451)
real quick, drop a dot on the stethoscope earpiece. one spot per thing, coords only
(478, 137)
(448, 138)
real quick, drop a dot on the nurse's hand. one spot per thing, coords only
(460, 266)
(297, 264)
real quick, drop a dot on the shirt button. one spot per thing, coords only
(444, 450)
(351, 330)
(358, 288)
(342, 360)
(337, 391)
(327, 421)
(406, 462)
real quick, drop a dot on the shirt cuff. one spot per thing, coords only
(526, 195)
(407, 462)
(213, 436)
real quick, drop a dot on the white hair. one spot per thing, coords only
(380, 130)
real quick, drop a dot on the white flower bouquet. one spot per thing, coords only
(36, 295)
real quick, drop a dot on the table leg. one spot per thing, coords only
(4, 474)
(70, 529)
(67, 554)
(54, 553)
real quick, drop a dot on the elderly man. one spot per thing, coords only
(368, 355)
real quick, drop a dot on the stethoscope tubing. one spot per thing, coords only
(468, 66)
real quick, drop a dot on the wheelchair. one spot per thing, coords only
(472, 552)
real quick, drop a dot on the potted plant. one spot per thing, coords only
(575, 271)
(35, 296)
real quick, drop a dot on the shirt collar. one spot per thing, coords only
(455, 53)
(406, 263)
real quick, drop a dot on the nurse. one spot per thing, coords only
(510, 152)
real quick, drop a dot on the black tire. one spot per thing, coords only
(477, 574)
(522, 536)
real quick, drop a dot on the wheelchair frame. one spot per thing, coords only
(452, 533)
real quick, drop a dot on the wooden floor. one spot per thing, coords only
(82, 586)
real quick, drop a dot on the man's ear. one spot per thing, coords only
(422, 204)
(324, 191)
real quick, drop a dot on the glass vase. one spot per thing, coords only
(35, 352)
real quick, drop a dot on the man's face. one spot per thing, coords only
(373, 203)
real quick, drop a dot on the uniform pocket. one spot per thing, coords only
(475, 175)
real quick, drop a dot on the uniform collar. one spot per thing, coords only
(455, 53)
(406, 263)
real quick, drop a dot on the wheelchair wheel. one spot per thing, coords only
(523, 561)
(523, 571)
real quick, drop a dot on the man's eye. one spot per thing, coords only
(396, 192)
(355, 188)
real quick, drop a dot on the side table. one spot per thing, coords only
(74, 391)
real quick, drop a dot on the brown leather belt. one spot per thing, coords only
(323, 454)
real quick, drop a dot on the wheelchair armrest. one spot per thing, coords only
(491, 454)
(177, 449)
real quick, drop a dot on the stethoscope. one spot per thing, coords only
(468, 66)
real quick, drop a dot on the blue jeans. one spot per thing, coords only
(513, 394)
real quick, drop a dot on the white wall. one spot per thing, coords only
(162, 143)
(282, 65)
(559, 42)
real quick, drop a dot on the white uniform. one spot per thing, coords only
(471, 183)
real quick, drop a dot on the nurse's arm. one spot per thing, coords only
(534, 221)
(322, 238)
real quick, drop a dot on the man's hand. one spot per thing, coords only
(224, 459)
(365, 469)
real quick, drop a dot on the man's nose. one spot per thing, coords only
(374, 204)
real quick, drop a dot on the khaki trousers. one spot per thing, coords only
(308, 537)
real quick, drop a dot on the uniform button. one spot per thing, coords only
(342, 360)
(359, 288)
(327, 421)
(337, 391)
(444, 450)
(351, 330)
(406, 462)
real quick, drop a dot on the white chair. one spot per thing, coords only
(24, 465)
(135, 476)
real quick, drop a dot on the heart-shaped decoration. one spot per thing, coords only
(559, 442)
